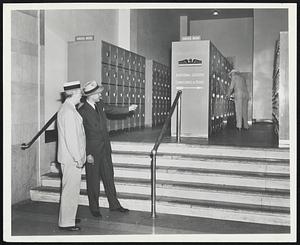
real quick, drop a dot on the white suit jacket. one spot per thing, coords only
(71, 135)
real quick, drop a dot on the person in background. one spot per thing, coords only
(98, 149)
(71, 155)
(241, 97)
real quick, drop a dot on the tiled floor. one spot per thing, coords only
(258, 135)
(39, 218)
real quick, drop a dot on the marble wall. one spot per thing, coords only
(25, 101)
(267, 25)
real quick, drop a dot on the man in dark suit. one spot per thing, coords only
(98, 148)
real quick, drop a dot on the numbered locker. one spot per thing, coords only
(119, 95)
(114, 55)
(126, 78)
(138, 63)
(113, 94)
(121, 76)
(142, 115)
(113, 75)
(105, 74)
(133, 78)
(132, 94)
(127, 59)
(121, 57)
(105, 53)
(126, 96)
(133, 61)
(105, 93)
(143, 64)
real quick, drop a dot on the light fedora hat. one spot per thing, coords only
(233, 71)
(92, 87)
(71, 85)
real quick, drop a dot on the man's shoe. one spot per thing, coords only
(70, 228)
(120, 209)
(77, 221)
(96, 214)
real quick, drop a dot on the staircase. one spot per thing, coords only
(218, 182)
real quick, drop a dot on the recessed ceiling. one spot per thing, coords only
(204, 14)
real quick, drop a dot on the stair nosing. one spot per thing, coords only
(185, 201)
(205, 156)
(240, 160)
(187, 170)
(205, 186)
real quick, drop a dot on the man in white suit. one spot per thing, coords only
(241, 96)
(71, 155)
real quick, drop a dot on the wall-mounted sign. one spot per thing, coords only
(84, 38)
(190, 62)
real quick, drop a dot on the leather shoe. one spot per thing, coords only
(120, 209)
(96, 214)
(70, 228)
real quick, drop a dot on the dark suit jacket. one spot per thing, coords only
(97, 137)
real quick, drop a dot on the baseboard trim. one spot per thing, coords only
(284, 144)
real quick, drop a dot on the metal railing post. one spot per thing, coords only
(153, 153)
(178, 121)
(153, 184)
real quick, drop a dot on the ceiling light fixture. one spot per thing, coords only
(215, 12)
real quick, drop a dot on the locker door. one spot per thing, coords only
(112, 94)
(105, 74)
(105, 53)
(126, 78)
(120, 79)
(114, 75)
(143, 64)
(127, 59)
(105, 93)
(121, 57)
(114, 55)
(126, 96)
(133, 61)
(142, 77)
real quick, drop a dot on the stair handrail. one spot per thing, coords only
(25, 146)
(176, 102)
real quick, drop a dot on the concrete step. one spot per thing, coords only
(188, 161)
(198, 175)
(183, 206)
(198, 191)
(202, 150)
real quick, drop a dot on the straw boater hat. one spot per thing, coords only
(233, 71)
(91, 88)
(71, 85)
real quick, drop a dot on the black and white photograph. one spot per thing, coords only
(149, 122)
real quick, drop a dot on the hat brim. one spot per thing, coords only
(99, 90)
(233, 71)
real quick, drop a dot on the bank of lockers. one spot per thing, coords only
(280, 90)
(158, 93)
(201, 72)
(121, 72)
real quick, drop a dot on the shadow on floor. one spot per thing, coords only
(38, 218)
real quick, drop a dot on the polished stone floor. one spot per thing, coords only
(259, 135)
(38, 218)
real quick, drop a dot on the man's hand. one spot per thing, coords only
(90, 159)
(79, 165)
(132, 107)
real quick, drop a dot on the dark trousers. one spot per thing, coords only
(102, 169)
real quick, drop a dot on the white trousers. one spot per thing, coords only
(71, 181)
(241, 111)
